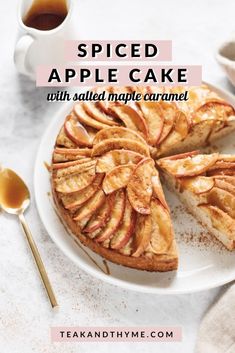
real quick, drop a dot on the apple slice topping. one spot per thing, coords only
(93, 110)
(225, 185)
(75, 182)
(63, 140)
(127, 249)
(75, 169)
(189, 166)
(221, 221)
(182, 125)
(84, 152)
(153, 115)
(221, 172)
(61, 157)
(93, 234)
(223, 200)
(117, 132)
(70, 154)
(86, 119)
(90, 206)
(178, 133)
(169, 113)
(161, 231)
(117, 178)
(157, 190)
(222, 165)
(228, 178)
(115, 143)
(126, 229)
(181, 155)
(100, 218)
(213, 109)
(197, 185)
(70, 163)
(104, 105)
(115, 158)
(142, 234)
(76, 132)
(226, 158)
(116, 216)
(106, 243)
(77, 199)
(131, 118)
(139, 188)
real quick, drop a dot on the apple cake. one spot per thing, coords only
(105, 173)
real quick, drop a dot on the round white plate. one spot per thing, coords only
(203, 263)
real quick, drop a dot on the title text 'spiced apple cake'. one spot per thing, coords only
(106, 184)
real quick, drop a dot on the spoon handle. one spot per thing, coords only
(38, 261)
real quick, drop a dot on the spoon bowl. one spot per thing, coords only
(17, 211)
(14, 193)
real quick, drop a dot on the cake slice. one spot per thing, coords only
(205, 183)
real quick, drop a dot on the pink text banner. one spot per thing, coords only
(126, 50)
(122, 75)
(116, 334)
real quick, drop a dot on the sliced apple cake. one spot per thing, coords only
(206, 185)
(105, 182)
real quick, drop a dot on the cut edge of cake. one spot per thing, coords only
(200, 204)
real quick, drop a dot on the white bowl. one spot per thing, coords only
(226, 59)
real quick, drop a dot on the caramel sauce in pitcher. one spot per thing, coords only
(13, 190)
(46, 14)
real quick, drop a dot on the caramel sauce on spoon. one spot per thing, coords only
(13, 191)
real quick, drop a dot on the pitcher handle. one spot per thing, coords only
(21, 53)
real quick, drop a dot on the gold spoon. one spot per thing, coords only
(15, 199)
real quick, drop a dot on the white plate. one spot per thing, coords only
(201, 266)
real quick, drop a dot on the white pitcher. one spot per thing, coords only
(41, 47)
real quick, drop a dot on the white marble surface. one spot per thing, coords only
(196, 28)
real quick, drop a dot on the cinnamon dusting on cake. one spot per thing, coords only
(200, 239)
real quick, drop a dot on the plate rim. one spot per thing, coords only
(89, 269)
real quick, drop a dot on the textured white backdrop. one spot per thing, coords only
(196, 28)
